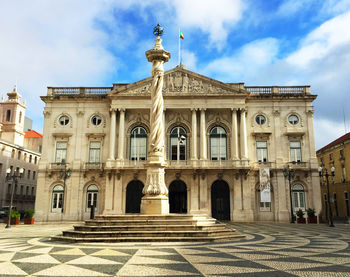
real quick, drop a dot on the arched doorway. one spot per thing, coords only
(133, 196)
(178, 197)
(220, 200)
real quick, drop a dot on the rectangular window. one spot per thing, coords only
(21, 190)
(34, 175)
(28, 174)
(261, 151)
(61, 151)
(32, 191)
(347, 205)
(27, 190)
(94, 151)
(341, 153)
(295, 151)
(321, 159)
(343, 173)
(335, 204)
(331, 156)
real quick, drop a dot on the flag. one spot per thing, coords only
(181, 35)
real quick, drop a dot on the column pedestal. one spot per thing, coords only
(155, 200)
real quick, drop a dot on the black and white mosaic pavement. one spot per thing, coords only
(268, 250)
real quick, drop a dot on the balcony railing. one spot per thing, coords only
(93, 165)
(297, 164)
(57, 166)
(78, 91)
(279, 90)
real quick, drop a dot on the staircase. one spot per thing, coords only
(150, 228)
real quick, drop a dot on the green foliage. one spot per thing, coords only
(310, 212)
(29, 213)
(300, 213)
(14, 214)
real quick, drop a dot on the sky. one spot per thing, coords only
(258, 42)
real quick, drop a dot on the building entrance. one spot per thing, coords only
(133, 197)
(178, 197)
(220, 200)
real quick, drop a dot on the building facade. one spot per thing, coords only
(219, 138)
(16, 152)
(336, 154)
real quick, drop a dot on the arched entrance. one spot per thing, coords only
(220, 200)
(178, 197)
(133, 196)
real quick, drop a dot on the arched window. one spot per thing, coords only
(298, 197)
(178, 140)
(57, 199)
(218, 144)
(91, 197)
(138, 144)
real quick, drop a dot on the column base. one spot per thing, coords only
(158, 204)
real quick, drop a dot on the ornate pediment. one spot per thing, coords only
(180, 81)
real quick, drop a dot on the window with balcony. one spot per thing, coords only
(298, 195)
(178, 143)
(261, 151)
(218, 144)
(138, 144)
(91, 197)
(94, 151)
(295, 151)
(61, 151)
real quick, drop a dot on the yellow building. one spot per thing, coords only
(336, 154)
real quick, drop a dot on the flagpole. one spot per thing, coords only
(179, 47)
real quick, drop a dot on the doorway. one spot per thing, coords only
(220, 200)
(133, 196)
(178, 197)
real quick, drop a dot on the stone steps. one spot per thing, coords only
(149, 228)
(98, 228)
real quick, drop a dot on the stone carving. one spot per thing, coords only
(179, 82)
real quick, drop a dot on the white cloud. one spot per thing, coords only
(326, 131)
(51, 43)
(290, 7)
(213, 17)
(317, 45)
(246, 62)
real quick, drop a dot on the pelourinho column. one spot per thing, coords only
(155, 199)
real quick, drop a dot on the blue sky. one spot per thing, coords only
(258, 42)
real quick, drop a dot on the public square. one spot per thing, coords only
(270, 249)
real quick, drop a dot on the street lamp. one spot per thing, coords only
(64, 174)
(324, 173)
(16, 174)
(290, 173)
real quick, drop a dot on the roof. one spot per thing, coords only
(32, 134)
(335, 142)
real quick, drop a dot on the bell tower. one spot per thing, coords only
(12, 114)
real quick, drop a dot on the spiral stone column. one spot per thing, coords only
(155, 199)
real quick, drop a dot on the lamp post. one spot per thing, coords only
(64, 175)
(289, 174)
(324, 173)
(16, 174)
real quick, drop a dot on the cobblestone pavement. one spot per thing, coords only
(268, 250)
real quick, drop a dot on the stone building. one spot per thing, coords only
(16, 152)
(220, 138)
(336, 154)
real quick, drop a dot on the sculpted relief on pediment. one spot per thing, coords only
(179, 82)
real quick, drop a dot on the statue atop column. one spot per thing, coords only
(155, 199)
